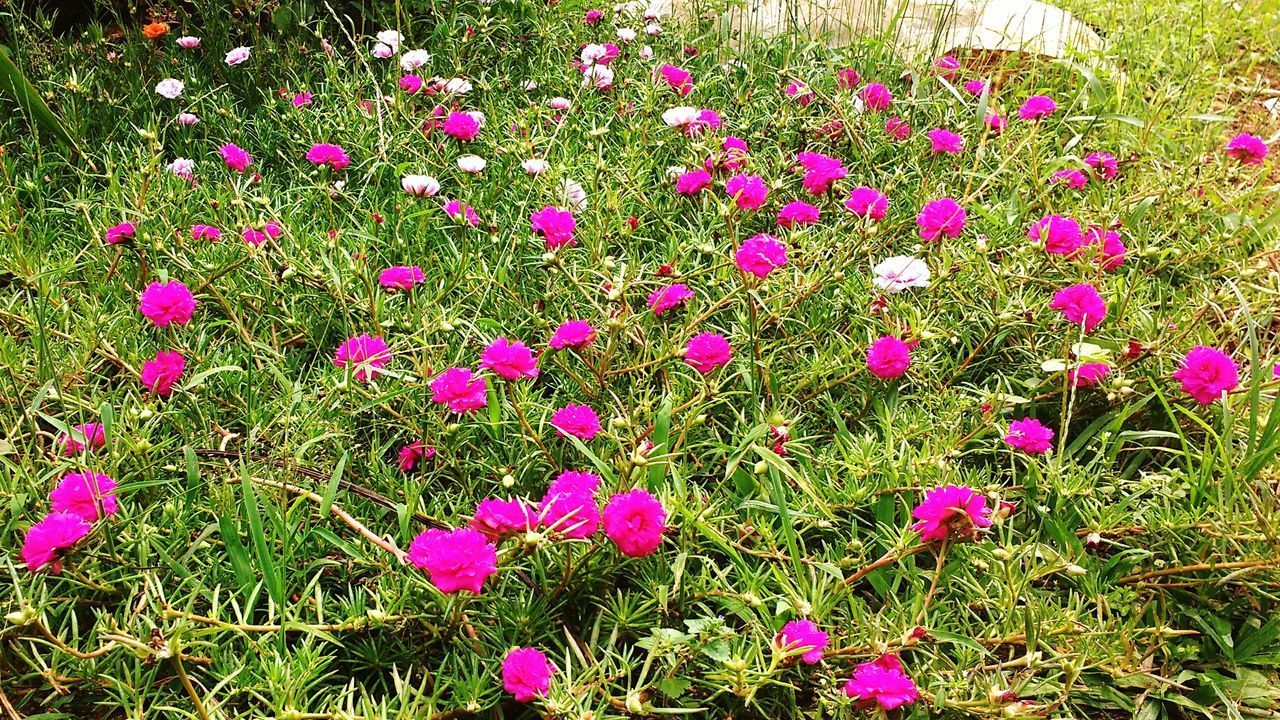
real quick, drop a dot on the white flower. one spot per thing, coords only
(652, 12)
(170, 88)
(530, 86)
(593, 52)
(646, 52)
(414, 59)
(900, 272)
(187, 119)
(182, 167)
(391, 39)
(682, 116)
(420, 185)
(676, 171)
(187, 42)
(382, 51)
(598, 76)
(653, 29)
(238, 55)
(535, 166)
(559, 103)
(573, 194)
(626, 34)
(454, 86)
(477, 116)
(471, 163)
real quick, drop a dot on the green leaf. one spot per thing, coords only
(658, 461)
(16, 86)
(326, 504)
(266, 558)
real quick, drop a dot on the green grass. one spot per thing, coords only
(215, 593)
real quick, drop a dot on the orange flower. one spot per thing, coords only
(154, 30)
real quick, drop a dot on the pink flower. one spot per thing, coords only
(1104, 164)
(759, 255)
(89, 496)
(876, 97)
(1030, 436)
(94, 437)
(461, 213)
(802, 635)
(1060, 235)
(847, 79)
(1088, 374)
(593, 17)
(165, 303)
(950, 510)
(883, 683)
(1071, 177)
(1037, 107)
(1081, 304)
(118, 233)
(235, 56)
(187, 119)
(569, 506)
(693, 182)
(797, 213)
(573, 333)
(995, 122)
(159, 374)
(679, 80)
(457, 389)
(733, 154)
(526, 673)
(897, 129)
(580, 421)
(401, 277)
(170, 88)
(409, 455)
(205, 232)
(47, 539)
(460, 559)
(499, 518)
(941, 218)
(1248, 149)
(302, 98)
(888, 357)
(668, 296)
(556, 227)
(365, 353)
(706, 352)
(511, 360)
(868, 203)
(332, 155)
(1112, 251)
(820, 171)
(235, 158)
(799, 92)
(946, 67)
(945, 141)
(461, 126)
(635, 521)
(187, 42)
(747, 191)
(1206, 373)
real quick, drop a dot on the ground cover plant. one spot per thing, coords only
(523, 360)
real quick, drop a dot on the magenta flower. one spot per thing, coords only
(881, 683)
(1030, 436)
(332, 155)
(1088, 374)
(847, 79)
(1104, 164)
(410, 83)
(803, 635)
(1037, 107)
(88, 495)
(364, 353)
(1070, 178)
(580, 421)
(235, 158)
(573, 333)
(797, 213)
(499, 518)
(119, 233)
(159, 374)
(945, 141)
(1207, 373)
(569, 505)
(461, 126)
(669, 296)
(679, 80)
(165, 303)
(526, 672)
(820, 171)
(951, 511)
(206, 232)
(409, 455)
(635, 521)
(1060, 235)
(1081, 304)
(799, 92)
(706, 352)
(748, 192)
(868, 203)
(460, 559)
(759, 255)
(946, 67)
(593, 17)
(1248, 149)
(556, 227)
(876, 97)
(995, 122)
(459, 390)
(888, 357)
(977, 87)
(693, 182)
(897, 129)
(48, 539)
(511, 360)
(941, 218)
(94, 435)
(1112, 252)
(401, 277)
(460, 213)
(301, 99)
